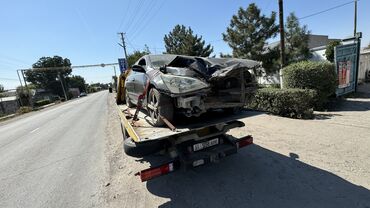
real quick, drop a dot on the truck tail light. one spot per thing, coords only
(245, 141)
(151, 173)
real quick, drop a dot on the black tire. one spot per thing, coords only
(141, 149)
(128, 101)
(159, 105)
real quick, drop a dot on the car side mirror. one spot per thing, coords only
(138, 68)
(163, 69)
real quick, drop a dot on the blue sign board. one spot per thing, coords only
(346, 63)
(122, 64)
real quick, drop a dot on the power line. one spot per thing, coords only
(16, 60)
(9, 79)
(125, 15)
(150, 7)
(326, 10)
(133, 16)
(150, 18)
(131, 44)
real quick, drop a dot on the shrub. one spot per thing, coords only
(42, 102)
(24, 109)
(319, 76)
(293, 103)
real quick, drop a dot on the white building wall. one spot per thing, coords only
(364, 66)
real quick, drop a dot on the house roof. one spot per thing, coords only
(11, 98)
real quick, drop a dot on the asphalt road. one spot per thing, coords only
(55, 158)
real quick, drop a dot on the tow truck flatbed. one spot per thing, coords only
(193, 142)
(144, 131)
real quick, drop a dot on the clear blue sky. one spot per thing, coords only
(85, 31)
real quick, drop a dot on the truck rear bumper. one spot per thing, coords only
(196, 159)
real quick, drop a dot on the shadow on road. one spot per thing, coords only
(258, 177)
(352, 104)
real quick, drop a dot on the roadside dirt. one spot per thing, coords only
(294, 163)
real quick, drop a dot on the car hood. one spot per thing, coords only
(210, 69)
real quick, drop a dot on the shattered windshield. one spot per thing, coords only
(161, 60)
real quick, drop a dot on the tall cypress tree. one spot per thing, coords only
(248, 32)
(296, 40)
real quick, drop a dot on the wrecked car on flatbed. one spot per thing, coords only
(176, 84)
(202, 93)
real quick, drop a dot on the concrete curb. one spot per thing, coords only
(7, 117)
(45, 106)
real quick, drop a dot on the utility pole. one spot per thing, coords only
(282, 41)
(20, 99)
(355, 20)
(28, 90)
(114, 68)
(123, 44)
(61, 82)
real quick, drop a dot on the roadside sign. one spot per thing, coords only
(122, 64)
(346, 63)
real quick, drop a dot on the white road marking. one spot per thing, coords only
(34, 130)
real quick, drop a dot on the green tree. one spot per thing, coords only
(225, 55)
(24, 93)
(248, 33)
(1, 88)
(296, 40)
(76, 81)
(329, 52)
(132, 58)
(56, 67)
(181, 40)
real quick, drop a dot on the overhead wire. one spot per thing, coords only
(8, 79)
(326, 10)
(148, 20)
(132, 46)
(125, 15)
(146, 12)
(133, 16)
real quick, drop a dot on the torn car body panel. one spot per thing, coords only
(198, 84)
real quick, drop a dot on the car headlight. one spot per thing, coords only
(179, 84)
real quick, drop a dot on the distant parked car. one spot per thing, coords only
(82, 94)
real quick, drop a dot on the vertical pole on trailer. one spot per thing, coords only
(355, 20)
(282, 41)
(358, 42)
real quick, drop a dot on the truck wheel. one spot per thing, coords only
(128, 101)
(141, 149)
(159, 105)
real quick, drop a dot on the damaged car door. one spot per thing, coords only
(139, 79)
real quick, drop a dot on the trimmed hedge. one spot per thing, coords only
(24, 109)
(319, 76)
(293, 103)
(42, 102)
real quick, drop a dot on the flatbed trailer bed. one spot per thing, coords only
(189, 143)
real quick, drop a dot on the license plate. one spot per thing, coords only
(202, 145)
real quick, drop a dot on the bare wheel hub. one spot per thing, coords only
(153, 106)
